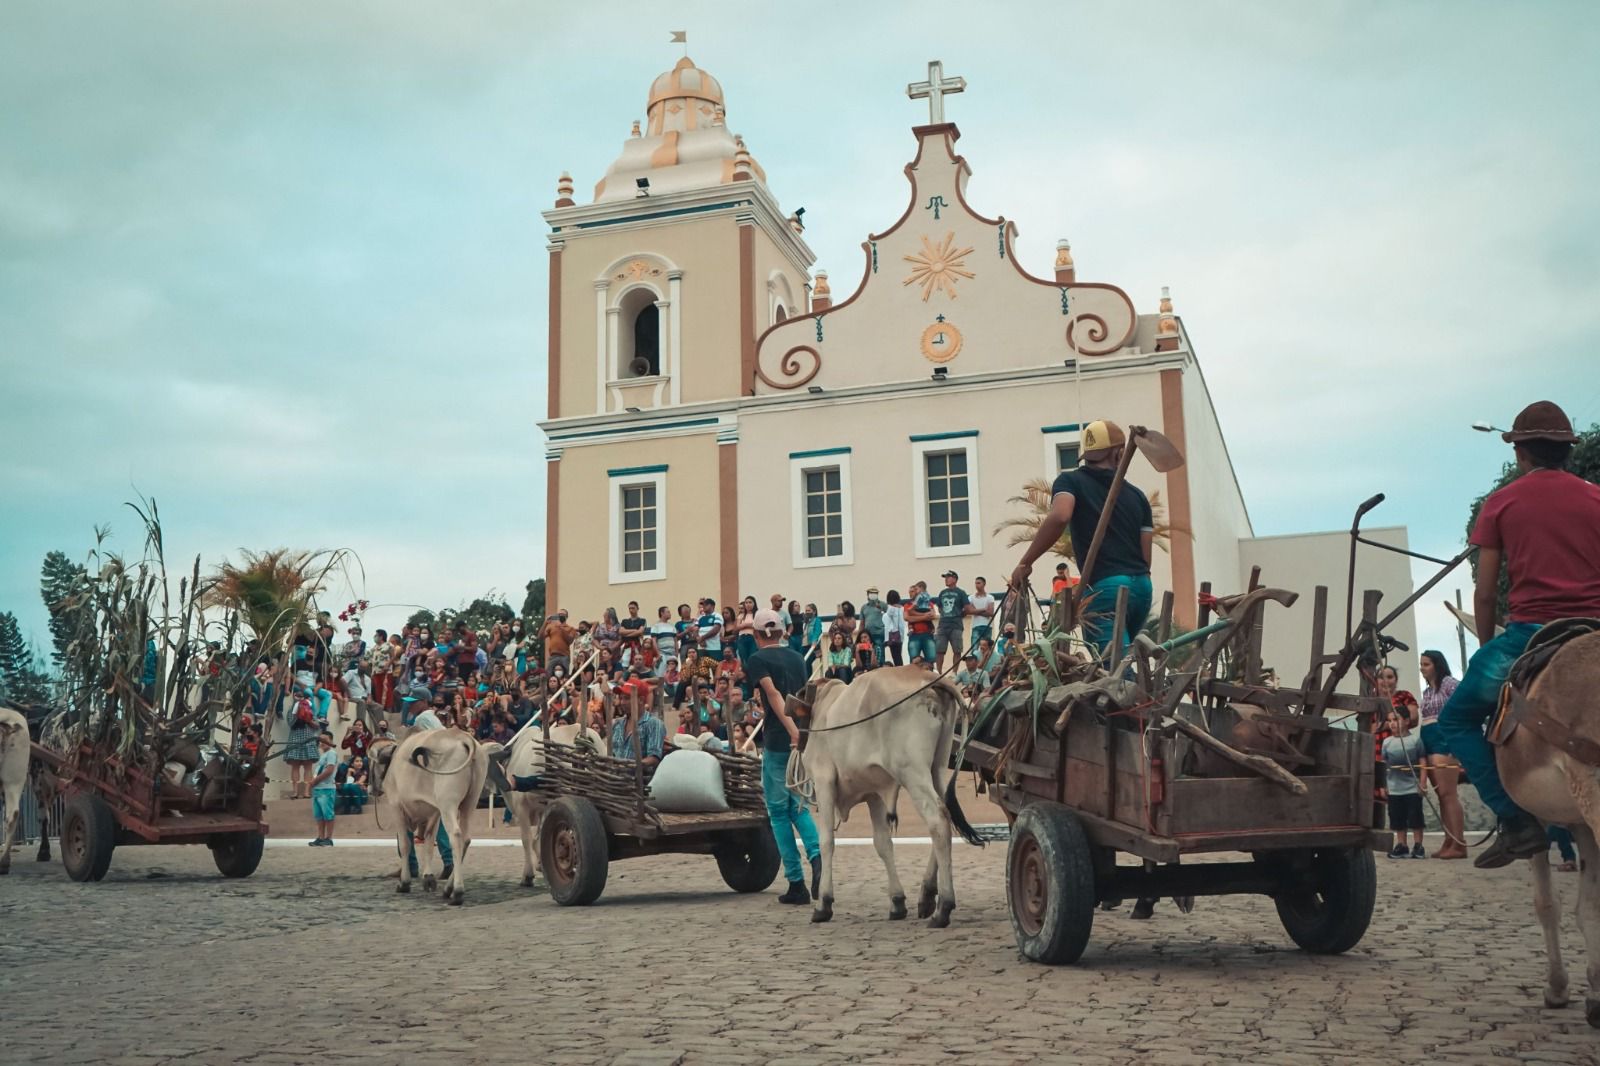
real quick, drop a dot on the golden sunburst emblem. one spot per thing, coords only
(938, 267)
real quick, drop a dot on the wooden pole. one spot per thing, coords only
(638, 748)
(1100, 528)
(1461, 635)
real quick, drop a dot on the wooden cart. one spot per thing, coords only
(598, 810)
(107, 804)
(1129, 781)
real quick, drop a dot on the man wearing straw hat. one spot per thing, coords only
(1077, 499)
(1545, 526)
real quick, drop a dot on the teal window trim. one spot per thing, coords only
(955, 435)
(1066, 427)
(631, 471)
(815, 453)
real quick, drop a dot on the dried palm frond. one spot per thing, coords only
(1035, 498)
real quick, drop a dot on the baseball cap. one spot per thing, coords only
(1061, 566)
(950, 573)
(872, 590)
(1102, 435)
(767, 621)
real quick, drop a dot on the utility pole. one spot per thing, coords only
(1461, 635)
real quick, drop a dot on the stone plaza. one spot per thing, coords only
(315, 959)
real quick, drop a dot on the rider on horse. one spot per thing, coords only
(1545, 527)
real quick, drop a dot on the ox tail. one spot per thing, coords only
(950, 700)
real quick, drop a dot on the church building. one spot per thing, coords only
(720, 424)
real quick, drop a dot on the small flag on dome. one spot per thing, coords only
(680, 36)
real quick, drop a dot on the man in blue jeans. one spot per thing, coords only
(1545, 528)
(1077, 500)
(777, 672)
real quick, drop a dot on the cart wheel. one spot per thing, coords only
(573, 851)
(237, 854)
(88, 835)
(1328, 907)
(1050, 883)
(749, 861)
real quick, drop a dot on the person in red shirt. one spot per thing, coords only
(1545, 528)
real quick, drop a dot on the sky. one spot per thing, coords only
(281, 266)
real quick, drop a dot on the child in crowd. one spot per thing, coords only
(838, 661)
(865, 659)
(1406, 779)
(324, 791)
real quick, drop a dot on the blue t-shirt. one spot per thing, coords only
(1402, 755)
(705, 624)
(328, 759)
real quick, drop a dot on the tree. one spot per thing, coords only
(271, 590)
(484, 612)
(421, 617)
(59, 578)
(1584, 461)
(533, 603)
(21, 679)
(1035, 498)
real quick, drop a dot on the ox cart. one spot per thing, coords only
(1186, 748)
(110, 802)
(598, 809)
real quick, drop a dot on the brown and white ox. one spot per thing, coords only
(527, 760)
(435, 777)
(861, 752)
(1558, 789)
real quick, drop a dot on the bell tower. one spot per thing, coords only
(659, 289)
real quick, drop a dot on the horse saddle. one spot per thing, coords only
(1580, 739)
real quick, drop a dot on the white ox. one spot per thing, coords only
(875, 754)
(436, 777)
(14, 756)
(527, 760)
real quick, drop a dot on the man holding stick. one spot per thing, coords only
(775, 673)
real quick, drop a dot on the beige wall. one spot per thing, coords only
(1010, 449)
(707, 251)
(1217, 511)
(1301, 563)
(693, 542)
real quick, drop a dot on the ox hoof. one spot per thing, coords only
(527, 882)
(430, 883)
(1591, 1011)
(5, 868)
(402, 888)
(824, 911)
(897, 908)
(43, 856)
(455, 899)
(925, 904)
(1554, 999)
(941, 917)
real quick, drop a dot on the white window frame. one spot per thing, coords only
(798, 468)
(1054, 440)
(919, 495)
(618, 482)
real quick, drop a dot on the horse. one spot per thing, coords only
(1558, 788)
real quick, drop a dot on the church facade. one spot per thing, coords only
(720, 425)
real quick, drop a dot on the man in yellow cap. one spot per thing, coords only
(1077, 499)
(1545, 528)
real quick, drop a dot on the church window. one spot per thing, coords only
(819, 493)
(824, 514)
(1066, 457)
(646, 360)
(1063, 449)
(949, 503)
(945, 494)
(638, 524)
(638, 528)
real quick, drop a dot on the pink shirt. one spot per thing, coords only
(1434, 699)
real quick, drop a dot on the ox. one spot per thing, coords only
(1559, 789)
(527, 760)
(436, 777)
(889, 730)
(14, 757)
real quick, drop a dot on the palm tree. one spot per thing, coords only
(1035, 496)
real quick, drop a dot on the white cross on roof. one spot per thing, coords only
(934, 90)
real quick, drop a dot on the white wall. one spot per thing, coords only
(1302, 562)
(1218, 517)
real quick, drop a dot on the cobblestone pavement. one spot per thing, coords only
(315, 959)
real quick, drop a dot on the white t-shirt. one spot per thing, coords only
(356, 685)
(666, 637)
(982, 609)
(427, 720)
(710, 643)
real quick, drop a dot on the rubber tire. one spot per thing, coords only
(1049, 839)
(749, 861)
(1347, 879)
(88, 814)
(237, 854)
(580, 817)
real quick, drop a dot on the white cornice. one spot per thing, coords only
(744, 197)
